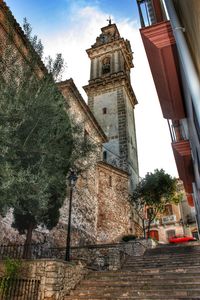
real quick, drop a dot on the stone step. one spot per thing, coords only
(160, 265)
(182, 249)
(164, 257)
(169, 252)
(169, 297)
(121, 292)
(150, 270)
(197, 262)
(140, 280)
(132, 276)
(194, 270)
(100, 286)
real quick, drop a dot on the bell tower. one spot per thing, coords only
(112, 99)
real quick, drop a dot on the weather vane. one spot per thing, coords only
(109, 20)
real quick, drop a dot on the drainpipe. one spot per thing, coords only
(185, 58)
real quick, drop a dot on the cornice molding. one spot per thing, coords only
(113, 46)
(113, 169)
(116, 80)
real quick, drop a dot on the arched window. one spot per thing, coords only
(106, 65)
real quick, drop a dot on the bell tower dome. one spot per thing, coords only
(112, 99)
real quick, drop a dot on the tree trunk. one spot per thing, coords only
(143, 227)
(148, 230)
(27, 244)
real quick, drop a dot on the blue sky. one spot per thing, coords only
(48, 14)
(70, 27)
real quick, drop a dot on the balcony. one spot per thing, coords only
(183, 158)
(162, 55)
(160, 46)
(169, 219)
(155, 222)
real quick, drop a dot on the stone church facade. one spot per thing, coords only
(101, 210)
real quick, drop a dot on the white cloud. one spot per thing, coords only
(152, 132)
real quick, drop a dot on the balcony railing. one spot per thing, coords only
(169, 219)
(151, 12)
(177, 131)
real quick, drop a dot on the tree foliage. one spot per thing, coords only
(36, 136)
(154, 191)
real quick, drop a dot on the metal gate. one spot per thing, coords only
(19, 289)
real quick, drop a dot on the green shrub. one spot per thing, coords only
(12, 268)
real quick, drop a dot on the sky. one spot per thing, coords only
(70, 27)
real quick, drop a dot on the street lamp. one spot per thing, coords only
(72, 181)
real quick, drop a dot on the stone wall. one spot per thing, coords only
(85, 202)
(114, 209)
(112, 256)
(56, 277)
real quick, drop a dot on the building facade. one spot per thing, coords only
(176, 220)
(172, 48)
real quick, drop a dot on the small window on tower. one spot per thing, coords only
(104, 155)
(104, 111)
(110, 181)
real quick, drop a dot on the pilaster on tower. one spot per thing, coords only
(112, 99)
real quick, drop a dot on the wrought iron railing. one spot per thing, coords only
(177, 131)
(32, 251)
(99, 256)
(19, 289)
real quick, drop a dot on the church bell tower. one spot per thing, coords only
(112, 99)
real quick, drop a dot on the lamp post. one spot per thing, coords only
(72, 181)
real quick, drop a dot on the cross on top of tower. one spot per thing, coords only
(109, 20)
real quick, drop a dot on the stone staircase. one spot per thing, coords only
(166, 272)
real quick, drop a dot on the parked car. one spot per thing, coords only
(182, 239)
